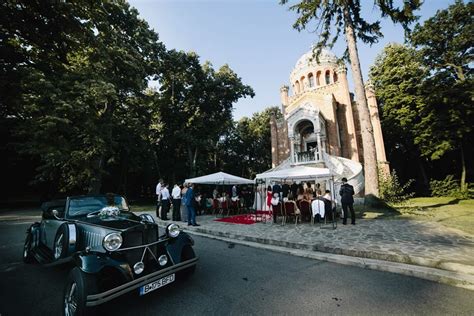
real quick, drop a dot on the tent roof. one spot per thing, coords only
(296, 173)
(219, 178)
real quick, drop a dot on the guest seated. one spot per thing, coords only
(301, 195)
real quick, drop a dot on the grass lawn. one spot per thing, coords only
(448, 211)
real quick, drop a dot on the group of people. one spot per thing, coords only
(182, 198)
(298, 192)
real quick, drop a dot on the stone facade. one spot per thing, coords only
(320, 115)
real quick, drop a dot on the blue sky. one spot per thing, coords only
(256, 38)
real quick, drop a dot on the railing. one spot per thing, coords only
(306, 157)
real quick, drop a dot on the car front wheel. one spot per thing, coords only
(79, 285)
(187, 254)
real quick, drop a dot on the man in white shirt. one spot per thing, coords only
(176, 195)
(165, 202)
(158, 197)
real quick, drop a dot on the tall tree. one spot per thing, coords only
(445, 45)
(195, 107)
(344, 16)
(78, 68)
(398, 75)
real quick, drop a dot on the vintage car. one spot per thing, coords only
(113, 250)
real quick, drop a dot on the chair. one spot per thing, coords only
(317, 207)
(277, 210)
(305, 209)
(290, 211)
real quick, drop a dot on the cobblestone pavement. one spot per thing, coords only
(405, 241)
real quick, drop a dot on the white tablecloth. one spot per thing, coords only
(317, 207)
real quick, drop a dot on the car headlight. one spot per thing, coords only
(112, 241)
(172, 230)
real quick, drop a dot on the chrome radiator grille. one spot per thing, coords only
(92, 239)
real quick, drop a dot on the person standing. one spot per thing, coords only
(269, 197)
(158, 197)
(184, 208)
(347, 200)
(165, 202)
(190, 206)
(176, 195)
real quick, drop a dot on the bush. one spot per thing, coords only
(449, 187)
(391, 191)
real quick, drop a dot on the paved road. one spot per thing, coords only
(234, 280)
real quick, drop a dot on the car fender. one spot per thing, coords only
(35, 231)
(94, 263)
(175, 246)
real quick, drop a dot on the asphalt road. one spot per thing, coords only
(234, 280)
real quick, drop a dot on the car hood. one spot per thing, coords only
(122, 222)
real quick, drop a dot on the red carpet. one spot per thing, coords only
(246, 219)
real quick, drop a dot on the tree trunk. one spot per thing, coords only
(370, 157)
(192, 157)
(463, 170)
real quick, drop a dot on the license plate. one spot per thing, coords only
(157, 284)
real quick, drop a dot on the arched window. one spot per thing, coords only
(302, 83)
(318, 78)
(328, 77)
(297, 86)
(311, 80)
(335, 77)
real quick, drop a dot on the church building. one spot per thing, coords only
(320, 125)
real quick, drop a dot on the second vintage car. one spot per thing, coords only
(114, 251)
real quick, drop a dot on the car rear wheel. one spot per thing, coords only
(79, 284)
(187, 254)
(27, 255)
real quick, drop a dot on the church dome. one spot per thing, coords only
(307, 60)
(309, 74)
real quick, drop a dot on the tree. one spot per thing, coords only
(398, 75)
(195, 108)
(445, 45)
(346, 18)
(246, 149)
(79, 69)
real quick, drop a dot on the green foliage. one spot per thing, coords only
(195, 111)
(79, 68)
(391, 190)
(425, 91)
(246, 148)
(330, 19)
(449, 187)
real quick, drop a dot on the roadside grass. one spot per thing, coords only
(447, 211)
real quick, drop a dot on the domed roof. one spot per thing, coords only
(325, 57)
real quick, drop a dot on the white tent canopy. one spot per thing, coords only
(296, 173)
(219, 178)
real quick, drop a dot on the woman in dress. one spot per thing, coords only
(269, 197)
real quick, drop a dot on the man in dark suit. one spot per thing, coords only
(347, 200)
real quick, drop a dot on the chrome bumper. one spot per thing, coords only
(97, 299)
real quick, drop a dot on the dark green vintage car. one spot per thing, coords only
(113, 250)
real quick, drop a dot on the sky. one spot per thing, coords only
(256, 39)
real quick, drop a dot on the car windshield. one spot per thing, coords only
(84, 205)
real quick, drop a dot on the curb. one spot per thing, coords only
(452, 278)
(366, 254)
